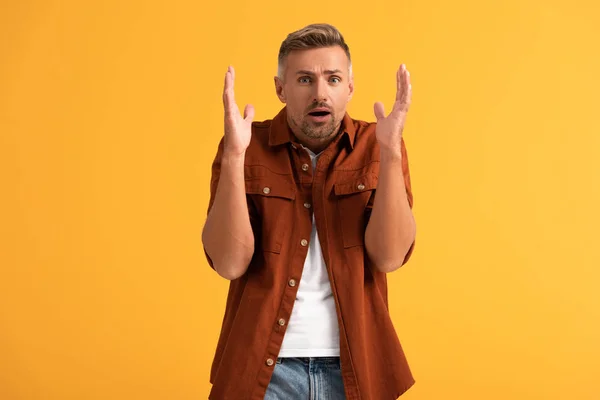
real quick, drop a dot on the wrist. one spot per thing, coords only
(233, 158)
(389, 155)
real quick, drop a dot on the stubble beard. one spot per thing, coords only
(317, 131)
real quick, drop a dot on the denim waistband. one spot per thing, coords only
(315, 360)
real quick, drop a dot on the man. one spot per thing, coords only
(308, 213)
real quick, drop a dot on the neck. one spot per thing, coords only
(316, 145)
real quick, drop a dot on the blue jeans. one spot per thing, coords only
(306, 378)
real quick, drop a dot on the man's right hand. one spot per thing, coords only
(227, 236)
(238, 130)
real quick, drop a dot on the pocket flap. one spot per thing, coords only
(356, 185)
(271, 187)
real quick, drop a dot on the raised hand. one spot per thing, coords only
(389, 129)
(238, 129)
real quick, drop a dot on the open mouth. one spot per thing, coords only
(319, 113)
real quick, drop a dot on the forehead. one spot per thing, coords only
(319, 59)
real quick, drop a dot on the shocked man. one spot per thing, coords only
(308, 213)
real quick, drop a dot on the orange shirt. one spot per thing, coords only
(283, 191)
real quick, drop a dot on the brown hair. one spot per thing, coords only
(311, 37)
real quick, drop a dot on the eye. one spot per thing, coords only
(304, 79)
(335, 79)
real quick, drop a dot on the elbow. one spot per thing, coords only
(386, 261)
(230, 274)
(382, 262)
(230, 267)
(229, 263)
(235, 266)
(387, 266)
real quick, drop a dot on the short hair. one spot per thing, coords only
(311, 37)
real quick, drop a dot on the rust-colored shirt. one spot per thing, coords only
(283, 191)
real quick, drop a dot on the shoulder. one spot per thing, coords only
(262, 125)
(261, 128)
(365, 130)
(364, 138)
(260, 135)
(262, 150)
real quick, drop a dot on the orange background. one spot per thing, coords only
(110, 114)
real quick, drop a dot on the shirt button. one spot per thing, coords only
(307, 205)
(270, 362)
(361, 187)
(292, 282)
(281, 321)
(304, 167)
(304, 242)
(267, 190)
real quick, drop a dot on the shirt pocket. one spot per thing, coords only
(354, 199)
(273, 196)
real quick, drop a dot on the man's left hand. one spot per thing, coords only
(389, 129)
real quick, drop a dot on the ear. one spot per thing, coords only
(351, 87)
(279, 89)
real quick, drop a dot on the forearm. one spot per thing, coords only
(391, 229)
(227, 235)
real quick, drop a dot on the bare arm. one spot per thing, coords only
(227, 236)
(391, 230)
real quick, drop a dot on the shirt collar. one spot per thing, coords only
(280, 132)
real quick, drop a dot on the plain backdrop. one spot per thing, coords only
(110, 115)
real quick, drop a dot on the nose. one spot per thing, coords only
(320, 91)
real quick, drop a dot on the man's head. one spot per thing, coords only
(315, 81)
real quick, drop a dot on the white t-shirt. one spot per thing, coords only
(313, 329)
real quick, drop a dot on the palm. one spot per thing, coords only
(238, 129)
(389, 129)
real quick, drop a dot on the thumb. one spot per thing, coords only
(249, 112)
(379, 110)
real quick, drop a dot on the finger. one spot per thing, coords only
(403, 89)
(408, 85)
(232, 104)
(228, 92)
(249, 113)
(379, 110)
(400, 79)
(408, 96)
(225, 83)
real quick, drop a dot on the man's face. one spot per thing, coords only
(316, 88)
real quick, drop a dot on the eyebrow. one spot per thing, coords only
(326, 72)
